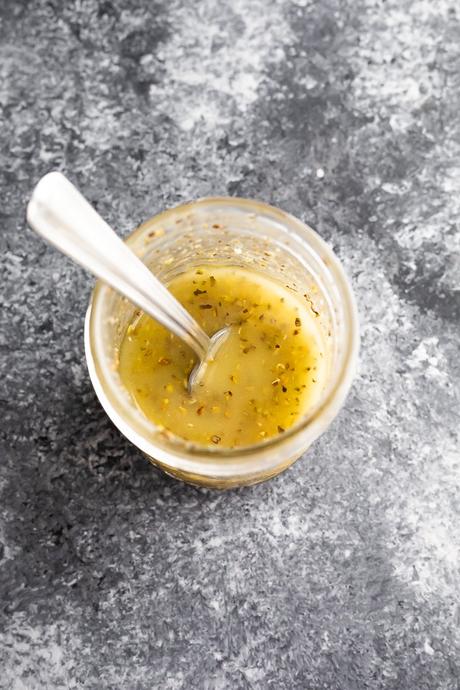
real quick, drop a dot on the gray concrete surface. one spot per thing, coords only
(342, 573)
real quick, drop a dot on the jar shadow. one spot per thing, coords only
(80, 496)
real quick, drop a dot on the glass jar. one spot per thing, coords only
(249, 234)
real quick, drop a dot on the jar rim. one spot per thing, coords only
(189, 457)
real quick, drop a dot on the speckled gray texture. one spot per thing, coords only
(343, 573)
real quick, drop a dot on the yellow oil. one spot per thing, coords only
(267, 373)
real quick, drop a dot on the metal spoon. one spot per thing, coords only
(59, 213)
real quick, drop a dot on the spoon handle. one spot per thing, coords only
(59, 213)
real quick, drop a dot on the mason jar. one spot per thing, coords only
(252, 235)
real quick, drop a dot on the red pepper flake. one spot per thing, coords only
(205, 306)
(298, 322)
(199, 292)
(284, 389)
(200, 410)
(248, 349)
(281, 429)
(216, 439)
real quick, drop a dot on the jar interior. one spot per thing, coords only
(224, 234)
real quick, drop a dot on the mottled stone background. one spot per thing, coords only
(344, 572)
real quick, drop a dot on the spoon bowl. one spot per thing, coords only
(199, 370)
